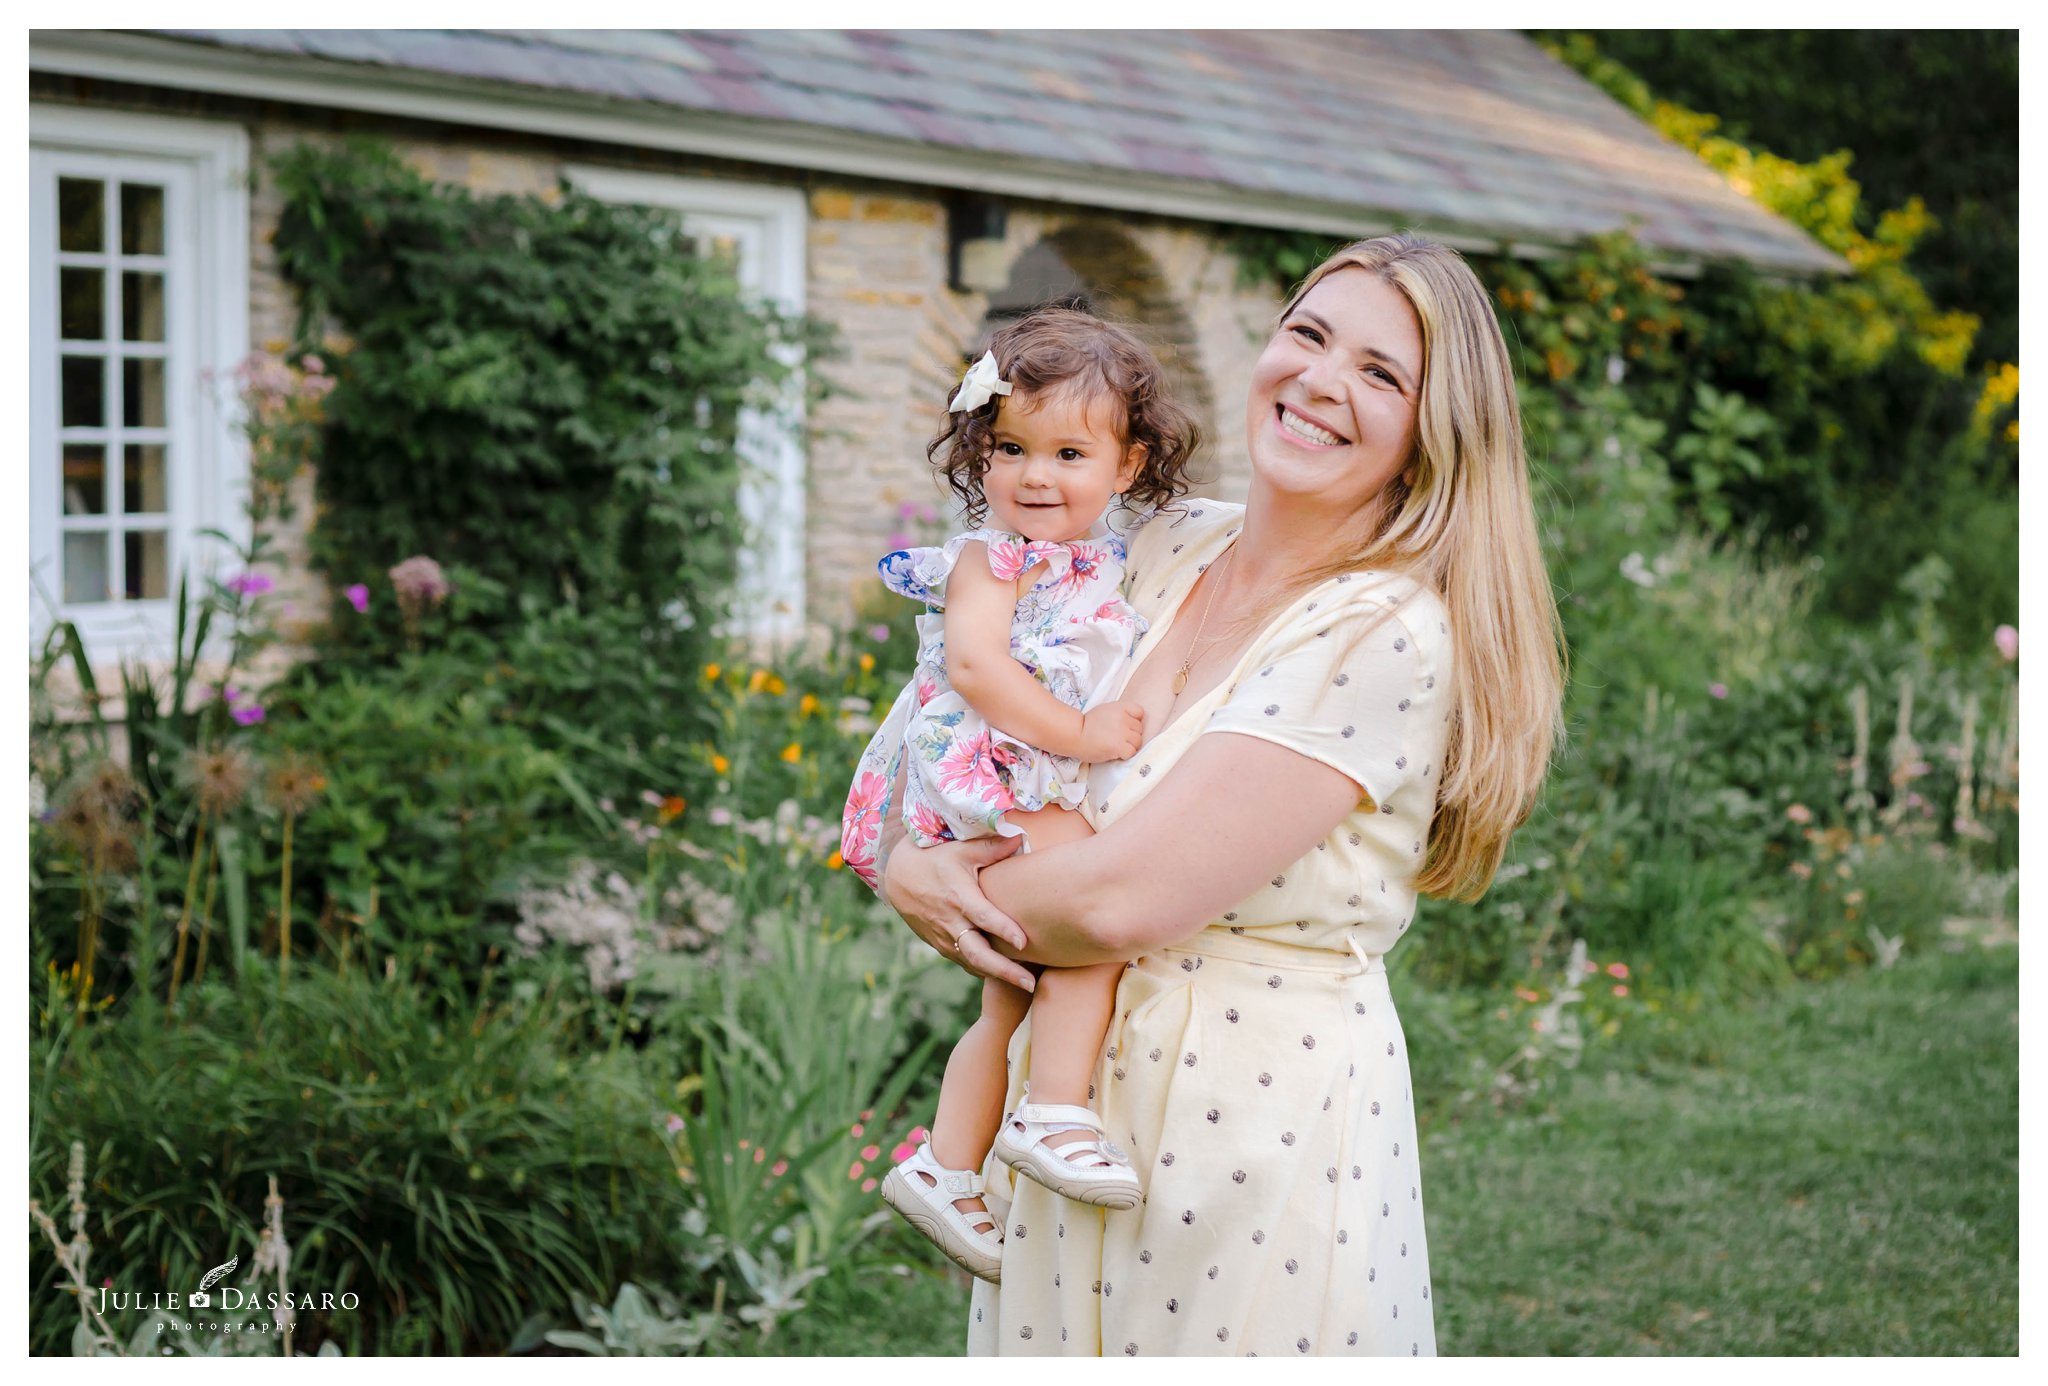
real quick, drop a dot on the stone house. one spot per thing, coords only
(910, 187)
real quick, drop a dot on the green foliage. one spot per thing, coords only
(546, 392)
(456, 1161)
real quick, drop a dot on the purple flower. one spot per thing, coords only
(420, 585)
(898, 540)
(248, 715)
(249, 584)
(2007, 638)
(358, 595)
(1717, 690)
(878, 633)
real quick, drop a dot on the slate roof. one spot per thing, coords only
(1472, 132)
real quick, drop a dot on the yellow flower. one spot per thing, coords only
(720, 764)
(867, 662)
(757, 681)
(792, 753)
(835, 861)
(808, 704)
(775, 685)
(711, 672)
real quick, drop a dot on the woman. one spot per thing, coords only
(1350, 690)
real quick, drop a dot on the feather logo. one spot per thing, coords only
(200, 1299)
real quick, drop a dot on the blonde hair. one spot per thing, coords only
(1465, 528)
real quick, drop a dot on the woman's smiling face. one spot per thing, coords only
(1333, 397)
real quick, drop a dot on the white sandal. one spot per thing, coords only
(1092, 1171)
(972, 1240)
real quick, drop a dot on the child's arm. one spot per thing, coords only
(980, 608)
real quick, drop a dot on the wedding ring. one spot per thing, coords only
(957, 937)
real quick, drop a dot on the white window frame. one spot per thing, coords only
(769, 225)
(204, 168)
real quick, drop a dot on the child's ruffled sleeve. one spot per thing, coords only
(920, 574)
(1360, 679)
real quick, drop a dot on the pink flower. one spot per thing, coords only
(249, 584)
(675, 1123)
(1802, 870)
(1717, 690)
(1525, 994)
(720, 817)
(1619, 970)
(2007, 638)
(760, 1154)
(870, 1152)
(1799, 813)
(779, 1168)
(928, 825)
(248, 714)
(898, 541)
(918, 1133)
(902, 1152)
(867, 1186)
(1620, 990)
(650, 798)
(857, 1170)
(420, 585)
(878, 633)
(312, 364)
(1592, 966)
(358, 595)
(855, 1129)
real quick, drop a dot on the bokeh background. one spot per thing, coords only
(458, 464)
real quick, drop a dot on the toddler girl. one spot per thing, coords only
(1026, 629)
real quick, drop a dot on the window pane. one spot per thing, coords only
(85, 479)
(85, 392)
(82, 298)
(143, 491)
(85, 568)
(81, 214)
(148, 572)
(142, 392)
(142, 307)
(142, 219)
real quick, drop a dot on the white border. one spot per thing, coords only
(212, 492)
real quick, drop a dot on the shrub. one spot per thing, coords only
(457, 1163)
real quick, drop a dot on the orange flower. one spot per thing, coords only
(671, 808)
(867, 662)
(757, 681)
(776, 686)
(792, 753)
(835, 862)
(719, 764)
(807, 705)
(711, 672)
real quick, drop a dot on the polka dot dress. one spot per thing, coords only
(1257, 1073)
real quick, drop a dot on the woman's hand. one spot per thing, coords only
(938, 893)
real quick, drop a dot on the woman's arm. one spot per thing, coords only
(1232, 814)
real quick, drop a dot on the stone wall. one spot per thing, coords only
(877, 270)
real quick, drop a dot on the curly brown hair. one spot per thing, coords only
(1051, 351)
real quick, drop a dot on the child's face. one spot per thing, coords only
(1056, 462)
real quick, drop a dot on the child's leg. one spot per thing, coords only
(1070, 1010)
(1070, 1015)
(971, 1096)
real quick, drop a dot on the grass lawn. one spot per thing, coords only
(1842, 1177)
(1834, 1169)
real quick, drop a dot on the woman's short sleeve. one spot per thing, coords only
(1359, 680)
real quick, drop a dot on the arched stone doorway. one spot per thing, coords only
(1097, 266)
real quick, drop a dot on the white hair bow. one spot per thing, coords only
(978, 384)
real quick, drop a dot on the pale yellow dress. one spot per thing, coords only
(1256, 1073)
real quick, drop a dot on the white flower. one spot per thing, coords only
(1635, 570)
(978, 384)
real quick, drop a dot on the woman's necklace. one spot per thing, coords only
(1195, 647)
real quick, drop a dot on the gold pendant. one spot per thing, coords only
(1180, 680)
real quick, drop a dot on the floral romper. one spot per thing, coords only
(1073, 630)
